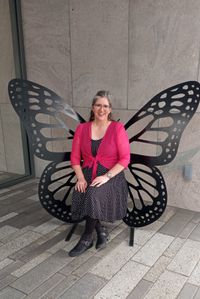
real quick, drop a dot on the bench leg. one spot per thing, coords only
(71, 232)
(131, 240)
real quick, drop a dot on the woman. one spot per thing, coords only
(101, 190)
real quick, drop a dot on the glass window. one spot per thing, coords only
(14, 160)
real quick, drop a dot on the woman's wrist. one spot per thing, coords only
(109, 175)
(80, 177)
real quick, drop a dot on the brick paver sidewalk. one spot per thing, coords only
(164, 262)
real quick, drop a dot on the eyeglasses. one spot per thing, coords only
(101, 106)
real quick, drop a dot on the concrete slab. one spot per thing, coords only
(140, 290)
(85, 288)
(153, 249)
(186, 259)
(123, 282)
(188, 291)
(167, 286)
(113, 262)
(176, 223)
(9, 292)
(35, 277)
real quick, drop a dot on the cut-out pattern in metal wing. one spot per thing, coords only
(177, 106)
(41, 111)
(55, 188)
(148, 193)
(165, 116)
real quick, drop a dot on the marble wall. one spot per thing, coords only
(11, 151)
(133, 48)
(163, 46)
(99, 49)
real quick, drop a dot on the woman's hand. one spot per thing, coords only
(81, 185)
(99, 180)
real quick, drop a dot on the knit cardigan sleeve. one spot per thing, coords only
(76, 146)
(123, 146)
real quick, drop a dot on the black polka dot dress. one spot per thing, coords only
(107, 202)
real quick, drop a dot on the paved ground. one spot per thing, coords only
(164, 262)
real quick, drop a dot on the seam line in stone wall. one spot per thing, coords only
(70, 50)
(198, 66)
(128, 58)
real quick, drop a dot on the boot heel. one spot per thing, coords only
(102, 239)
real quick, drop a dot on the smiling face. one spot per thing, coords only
(101, 109)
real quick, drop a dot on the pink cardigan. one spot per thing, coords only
(113, 149)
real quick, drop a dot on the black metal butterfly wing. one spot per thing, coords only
(55, 189)
(41, 111)
(175, 105)
(48, 121)
(164, 119)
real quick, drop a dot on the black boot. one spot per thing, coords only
(102, 236)
(81, 247)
